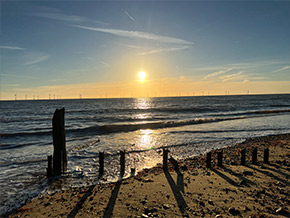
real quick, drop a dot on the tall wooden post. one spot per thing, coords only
(254, 156)
(165, 159)
(59, 152)
(208, 160)
(122, 162)
(101, 164)
(266, 156)
(49, 166)
(243, 157)
(220, 159)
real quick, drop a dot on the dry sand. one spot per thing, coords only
(260, 190)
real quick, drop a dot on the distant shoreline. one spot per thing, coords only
(127, 97)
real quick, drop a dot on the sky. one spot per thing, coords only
(96, 49)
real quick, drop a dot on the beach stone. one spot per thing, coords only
(166, 206)
(247, 173)
(234, 211)
(281, 211)
(210, 202)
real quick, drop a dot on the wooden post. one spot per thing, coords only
(243, 157)
(49, 166)
(59, 151)
(266, 156)
(220, 159)
(174, 163)
(208, 160)
(254, 156)
(165, 159)
(101, 164)
(122, 162)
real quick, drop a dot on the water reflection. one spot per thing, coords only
(146, 141)
(143, 103)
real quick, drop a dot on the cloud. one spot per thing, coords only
(11, 47)
(36, 59)
(131, 18)
(281, 69)
(160, 50)
(218, 73)
(66, 18)
(13, 75)
(138, 35)
(235, 76)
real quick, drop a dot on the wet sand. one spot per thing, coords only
(192, 190)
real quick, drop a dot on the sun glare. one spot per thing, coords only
(142, 75)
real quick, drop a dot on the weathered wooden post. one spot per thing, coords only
(266, 156)
(208, 160)
(254, 156)
(59, 152)
(101, 163)
(220, 159)
(174, 163)
(243, 157)
(165, 159)
(49, 166)
(122, 162)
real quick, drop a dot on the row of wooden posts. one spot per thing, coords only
(57, 163)
(174, 162)
(243, 157)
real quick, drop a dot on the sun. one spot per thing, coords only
(142, 75)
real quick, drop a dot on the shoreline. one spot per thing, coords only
(191, 191)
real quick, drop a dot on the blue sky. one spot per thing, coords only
(97, 48)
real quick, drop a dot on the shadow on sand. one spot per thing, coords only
(177, 188)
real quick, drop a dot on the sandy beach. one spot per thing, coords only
(192, 190)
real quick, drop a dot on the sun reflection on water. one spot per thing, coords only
(143, 103)
(146, 141)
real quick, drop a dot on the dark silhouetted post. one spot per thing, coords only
(49, 166)
(174, 163)
(243, 157)
(165, 159)
(254, 156)
(220, 159)
(122, 162)
(101, 163)
(208, 160)
(266, 156)
(59, 152)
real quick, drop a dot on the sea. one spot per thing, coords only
(187, 126)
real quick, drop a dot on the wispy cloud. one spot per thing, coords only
(138, 35)
(66, 18)
(11, 47)
(162, 50)
(281, 69)
(234, 76)
(131, 18)
(105, 64)
(218, 73)
(36, 59)
(14, 75)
